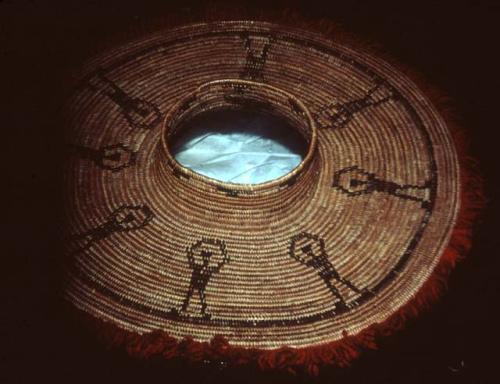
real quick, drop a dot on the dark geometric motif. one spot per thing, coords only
(112, 157)
(309, 249)
(334, 115)
(354, 181)
(255, 62)
(123, 219)
(237, 95)
(139, 113)
(205, 257)
(228, 191)
(187, 103)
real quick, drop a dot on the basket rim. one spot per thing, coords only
(242, 188)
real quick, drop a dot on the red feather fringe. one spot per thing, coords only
(342, 352)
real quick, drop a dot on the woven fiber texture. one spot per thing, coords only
(338, 245)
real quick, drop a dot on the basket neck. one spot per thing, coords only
(238, 94)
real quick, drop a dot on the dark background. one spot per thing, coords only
(453, 44)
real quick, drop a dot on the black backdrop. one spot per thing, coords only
(452, 44)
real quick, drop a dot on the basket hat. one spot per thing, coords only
(298, 270)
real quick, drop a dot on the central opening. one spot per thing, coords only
(238, 146)
(238, 137)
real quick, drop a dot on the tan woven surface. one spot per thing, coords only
(340, 243)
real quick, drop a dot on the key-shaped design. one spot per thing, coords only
(112, 157)
(255, 59)
(354, 181)
(205, 257)
(139, 113)
(124, 219)
(238, 95)
(338, 115)
(309, 249)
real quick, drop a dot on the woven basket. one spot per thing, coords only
(299, 271)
